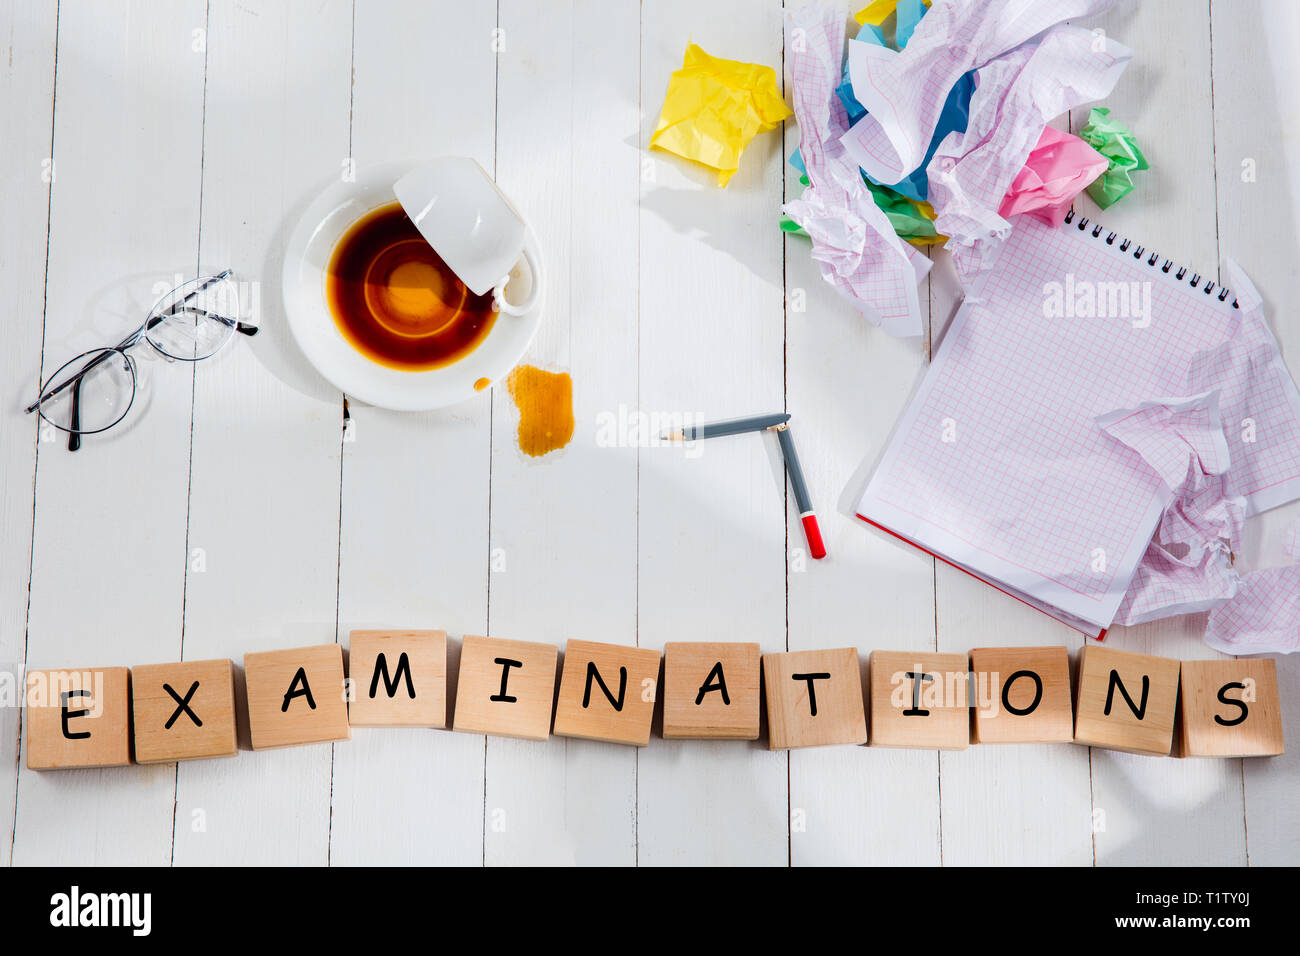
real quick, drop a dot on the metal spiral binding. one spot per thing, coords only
(1152, 259)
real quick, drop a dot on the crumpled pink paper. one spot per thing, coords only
(1264, 615)
(1059, 167)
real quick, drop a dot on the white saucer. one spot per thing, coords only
(306, 259)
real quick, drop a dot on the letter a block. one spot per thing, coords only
(1229, 709)
(1022, 695)
(607, 692)
(184, 711)
(506, 688)
(78, 718)
(296, 697)
(814, 699)
(399, 678)
(1126, 701)
(711, 690)
(919, 700)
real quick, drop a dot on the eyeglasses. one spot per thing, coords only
(94, 391)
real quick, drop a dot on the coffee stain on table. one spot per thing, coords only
(545, 403)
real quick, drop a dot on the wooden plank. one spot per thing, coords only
(264, 505)
(108, 551)
(1257, 160)
(847, 382)
(1149, 810)
(27, 114)
(563, 532)
(711, 531)
(415, 485)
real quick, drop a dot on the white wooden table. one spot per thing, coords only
(146, 139)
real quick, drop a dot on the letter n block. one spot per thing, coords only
(1022, 695)
(814, 699)
(1126, 701)
(399, 678)
(78, 718)
(607, 692)
(184, 711)
(1230, 709)
(711, 690)
(919, 700)
(296, 697)
(506, 688)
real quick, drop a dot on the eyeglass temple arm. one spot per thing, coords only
(74, 380)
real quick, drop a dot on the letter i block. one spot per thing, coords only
(78, 718)
(1126, 701)
(1230, 709)
(607, 692)
(814, 699)
(399, 678)
(1022, 695)
(296, 697)
(184, 711)
(919, 700)
(711, 690)
(506, 688)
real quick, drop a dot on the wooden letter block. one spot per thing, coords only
(1126, 701)
(399, 678)
(184, 711)
(1229, 709)
(919, 700)
(296, 697)
(506, 688)
(78, 718)
(1022, 695)
(814, 699)
(711, 690)
(607, 692)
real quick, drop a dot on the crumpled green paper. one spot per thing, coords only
(912, 221)
(1114, 141)
(713, 109)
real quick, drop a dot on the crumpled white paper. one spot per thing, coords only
(1264, 615)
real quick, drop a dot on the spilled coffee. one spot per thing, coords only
(396, 301)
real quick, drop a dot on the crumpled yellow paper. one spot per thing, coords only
(877, 12)
(714, 108)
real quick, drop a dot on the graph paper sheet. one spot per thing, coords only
(1000, 464)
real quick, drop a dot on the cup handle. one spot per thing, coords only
(535, 295)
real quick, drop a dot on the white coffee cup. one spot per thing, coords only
(470, 223)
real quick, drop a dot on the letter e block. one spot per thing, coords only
(814, 699)
(184, 711)
(919, 700)
(711, 690)
(1230, 709)
(1022, 695)
(1126, 701)
(78, 718)
(399, 678)
(296, 697)
(607, 692)
(506, 688)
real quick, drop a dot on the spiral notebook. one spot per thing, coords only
(999, 466)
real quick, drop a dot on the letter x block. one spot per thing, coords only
(1126, 701)
(1022, 695)
(399, 678)
(184, 711)
(919, 700)
(506, 688)
(814, 699)
(607, 692)
(1230, 709)
(296, 697)
(78, 718)
(711, 690)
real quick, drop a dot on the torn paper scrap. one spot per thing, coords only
(853, 242)
(1014, 98)
(1262, 618)
(904, 92)
(1057, 170)
(714, 108)
(1116, 143)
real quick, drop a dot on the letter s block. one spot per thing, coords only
(78, 718)
(296, 697)
(1230, 709)
(1126, 701)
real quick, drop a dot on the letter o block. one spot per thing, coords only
(1022, 695)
